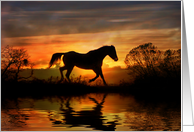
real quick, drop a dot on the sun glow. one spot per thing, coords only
(41, 48)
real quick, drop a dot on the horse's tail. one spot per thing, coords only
(55, 57)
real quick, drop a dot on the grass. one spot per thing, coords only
(151, 89)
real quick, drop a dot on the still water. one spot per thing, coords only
(87, 113)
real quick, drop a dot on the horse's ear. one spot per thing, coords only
(112, 46)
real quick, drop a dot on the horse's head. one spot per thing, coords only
(112, 53)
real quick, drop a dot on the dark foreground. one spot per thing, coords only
(149, 92)
(52, 106)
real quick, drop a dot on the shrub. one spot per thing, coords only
(146, 62)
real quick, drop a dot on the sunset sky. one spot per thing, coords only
(44, 28)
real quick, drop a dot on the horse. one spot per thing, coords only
(92, 60)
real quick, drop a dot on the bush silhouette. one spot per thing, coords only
(149, 64)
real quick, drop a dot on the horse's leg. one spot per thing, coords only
(100, 72)
(97, 75)
(69, 69)
(61, 69)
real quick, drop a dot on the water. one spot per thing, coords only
(89, 112)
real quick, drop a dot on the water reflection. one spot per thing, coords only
(91, 118)
(90, 112)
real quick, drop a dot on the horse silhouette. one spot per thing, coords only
(91, 60)
(92, 118)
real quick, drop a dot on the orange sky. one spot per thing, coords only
(41, 48)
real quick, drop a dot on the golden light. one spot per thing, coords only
(41, 48)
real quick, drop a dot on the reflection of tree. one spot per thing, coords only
(13, 117)
(142, 122)
(13, 61)
(153, 117)
(92, 118)
(152, 122)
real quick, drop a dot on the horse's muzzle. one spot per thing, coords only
(116, 59)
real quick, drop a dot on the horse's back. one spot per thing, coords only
(80, 60)
(73, 54)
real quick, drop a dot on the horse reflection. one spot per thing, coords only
(92, 118)
(91, 60)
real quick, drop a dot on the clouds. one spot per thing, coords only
(49, 18)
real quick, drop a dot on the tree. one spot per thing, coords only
(142, 60)
(146, 61)
(171, 63)
(13, 61)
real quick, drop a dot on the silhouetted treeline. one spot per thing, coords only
(150, 66)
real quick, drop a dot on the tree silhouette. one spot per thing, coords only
(13, 61)
(146, 60)
(143, 59)
(171, 63)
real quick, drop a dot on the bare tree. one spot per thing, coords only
(13, 61)
(146, 60)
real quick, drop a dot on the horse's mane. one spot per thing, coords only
(98, 50)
